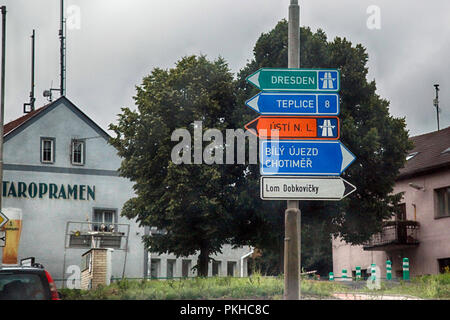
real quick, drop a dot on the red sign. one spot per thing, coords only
(305, 128)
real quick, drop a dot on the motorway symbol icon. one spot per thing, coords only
(295, 103)
(296, 79)
(299, 157)
(305, 188)
(318, 128)
(328, 80)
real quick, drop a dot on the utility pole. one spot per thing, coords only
(436, 103)
(292, 213)
(2, 100)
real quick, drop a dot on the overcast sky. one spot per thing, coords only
(121, 41)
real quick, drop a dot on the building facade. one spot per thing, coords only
(421, 232)
(61, 173)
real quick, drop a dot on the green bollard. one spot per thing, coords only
(344, 274)
(373, 273)
(358, 273)
(388, 270)
(331, 276)
(405, 269)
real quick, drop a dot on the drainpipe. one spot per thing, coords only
(414, 205)
(242, 261)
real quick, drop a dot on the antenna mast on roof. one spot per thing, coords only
(32, 98)
(62, 38)
(62, 52)
(436, 103)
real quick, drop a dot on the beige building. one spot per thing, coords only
(421, 232)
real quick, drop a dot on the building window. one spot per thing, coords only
(444, 265)
(47, 150)
(78, 152)
(155, 266)
(104, 220)
(231, 268)
(170, 268)
(216, 268)
(186, 266)
(443, 202)
(86, 262)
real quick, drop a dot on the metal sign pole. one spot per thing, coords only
(292, 213)
(2, 99)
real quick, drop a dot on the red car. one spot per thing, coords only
(27, 283)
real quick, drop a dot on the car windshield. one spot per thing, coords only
(21, 286)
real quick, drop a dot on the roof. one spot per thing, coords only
(430, 153)
(16, 126)
(19, 267)
(19, 121)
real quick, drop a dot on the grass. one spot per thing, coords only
(253, 287)
(426, 287)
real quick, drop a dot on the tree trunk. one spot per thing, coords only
(202, 262)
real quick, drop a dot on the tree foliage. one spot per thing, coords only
(187, 201)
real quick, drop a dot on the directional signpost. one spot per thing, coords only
(318, 128)
(295, 103)
(324, 158)
(299, 131)
(305, 188)
(299, 150)
(3, 219)
(2, 239)
(323, 80)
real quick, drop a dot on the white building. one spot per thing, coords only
(60, 170)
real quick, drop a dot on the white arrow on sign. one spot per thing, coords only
(3, 219)
(305, 188)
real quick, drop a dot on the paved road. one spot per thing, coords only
(363, 296)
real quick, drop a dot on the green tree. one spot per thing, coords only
(378, 140)
(188, 202)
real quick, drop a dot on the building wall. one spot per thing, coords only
(45, 219)
(434, 234)
(64, 125)
(228, 255)
(349, 257)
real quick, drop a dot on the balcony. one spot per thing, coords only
(86, 235)
(395, 235)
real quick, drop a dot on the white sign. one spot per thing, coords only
(2, 239)
(305, 188)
